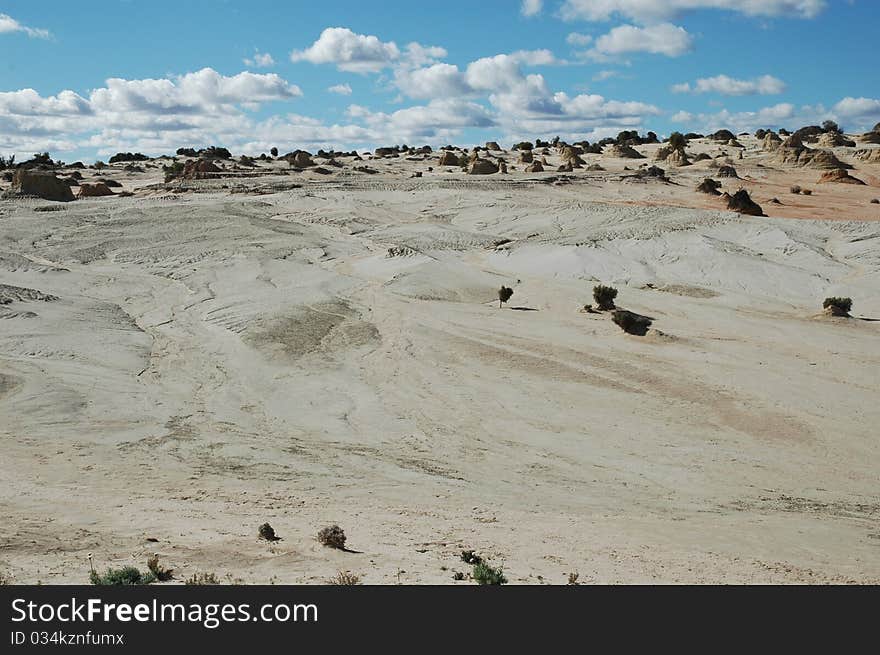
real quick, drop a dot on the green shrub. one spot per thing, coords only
(175, 170)
(604, 296)
(486, 575)
(678, 141)
(127, 575)
(470, 557)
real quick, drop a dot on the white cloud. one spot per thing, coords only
(664, 38)
(578, 39)
(9, 25)
(436, 81)
(260, 60)
(651, 11)
(781, 115)
(728, 86)
(866, 110)
(601, 76)
(531, 7)
(340, 89)
(356, 53)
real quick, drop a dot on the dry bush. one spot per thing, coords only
(162, 574)
(630, 322)
(504, 294)
(604, 296)
(838, 306)
(344, 578)
(332, 536)
(267, 532)
(202, 579)
(795, 189)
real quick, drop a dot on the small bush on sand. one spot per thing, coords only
(573, 578)
(504, 294)
(345, 578)
(202, 579)
(3, 580)
(875, 201)
(630, 322)
(274, 152)
(127, 575)
(267, 532)
(487, 575)
(795, 189)
(807, 192)
(162, 574)
(458, 575)
(332, 536)
(173, 171)
(470, 557)
(838, 306)
(604, 296)
(678, 141)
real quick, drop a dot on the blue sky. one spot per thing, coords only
(85, 81)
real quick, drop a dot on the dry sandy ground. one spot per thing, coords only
(197, 364)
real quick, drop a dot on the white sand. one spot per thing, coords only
(215, 361)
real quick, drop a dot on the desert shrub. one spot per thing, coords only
(128, 156)
(274, 152)
(127, 575)
(604, 296)
(458, 575)
(760, 134)
(267, 532)
(187, 152)
(573, 578)
(875, 201)
(830, 126)
(841, 304)
(4, 580)
(100, 165)
(332, 536)
(487, 575)
(7, 162)
(175, 170)
(807, 192)
(345, 578)
(162, 574)
(202, 579)
(523, 145)
(795, 189)
(677, 140)
(215, 152)
(244, 160)
(470, 557)
(630, 322)
(504, 294)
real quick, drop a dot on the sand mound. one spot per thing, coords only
(808, 158)
(94, 190)
(482, 167)
(570, 156)
(535, 167)
(624, 152)
(839, 175)
(742, 203)
(448, 158)
(526, 157)
(710, 187)
(42, 185)
(834, 140)
(870, 155)
(771, 142)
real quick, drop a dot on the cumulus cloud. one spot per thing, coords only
(259, 60)
(340, 89)
(651, 11)
(728, 86)
(531, 7)
(861, 111)
(663, 38)
(9, 25)
(150, 113)
(781, 115)
(356, 53)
